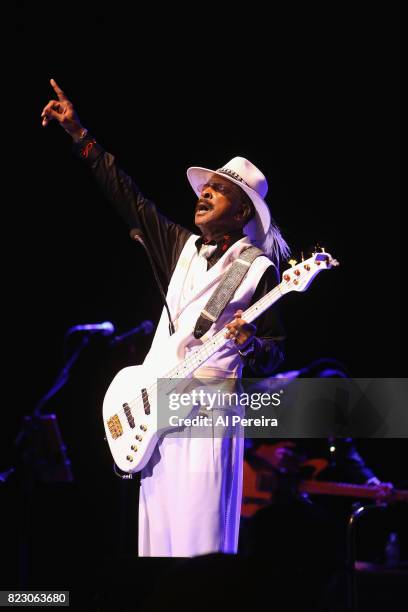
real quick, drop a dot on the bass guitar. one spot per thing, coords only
(130, 413)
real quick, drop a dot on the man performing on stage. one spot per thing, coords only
(191, 488)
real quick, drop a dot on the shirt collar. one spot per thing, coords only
(222, 243)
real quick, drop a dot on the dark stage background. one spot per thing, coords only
(160, 104)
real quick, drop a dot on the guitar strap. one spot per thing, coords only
(229, 282)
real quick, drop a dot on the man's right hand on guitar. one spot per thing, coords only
(63, 112)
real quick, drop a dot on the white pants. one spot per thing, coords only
(190, 495)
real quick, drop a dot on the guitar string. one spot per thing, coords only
(193, 361)
(137, 405)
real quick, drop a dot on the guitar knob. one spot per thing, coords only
(139, 438)
(134, 447)
(143, 427)
(129, 458)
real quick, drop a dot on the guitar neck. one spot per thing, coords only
(342, 489)
(297, 278)
(185, 368)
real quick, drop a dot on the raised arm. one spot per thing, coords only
(164, 238)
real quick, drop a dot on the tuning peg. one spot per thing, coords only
(292, 262)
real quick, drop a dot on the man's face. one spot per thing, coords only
(219, 207)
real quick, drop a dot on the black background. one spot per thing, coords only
(311, 106)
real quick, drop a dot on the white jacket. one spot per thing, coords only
(190, 288)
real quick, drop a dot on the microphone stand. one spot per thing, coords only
(33, 466)
(145, 328)
(357, 512)
(137, 234)
(63, 376)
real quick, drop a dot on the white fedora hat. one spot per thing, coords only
(261, 230)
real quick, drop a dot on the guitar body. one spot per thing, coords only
(131, 440)
(130, 406)
(263, 484)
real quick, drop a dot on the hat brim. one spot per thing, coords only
(197, 177)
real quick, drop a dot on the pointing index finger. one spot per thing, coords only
(58, 90)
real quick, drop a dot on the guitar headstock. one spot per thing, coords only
(299, 276)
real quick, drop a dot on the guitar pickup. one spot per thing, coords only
(129, 415)
(146, 403)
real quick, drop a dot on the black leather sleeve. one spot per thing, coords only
(164, 238)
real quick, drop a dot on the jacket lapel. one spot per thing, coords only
(204, 279)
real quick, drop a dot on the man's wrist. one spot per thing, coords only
(248, 347)
(79, 135)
